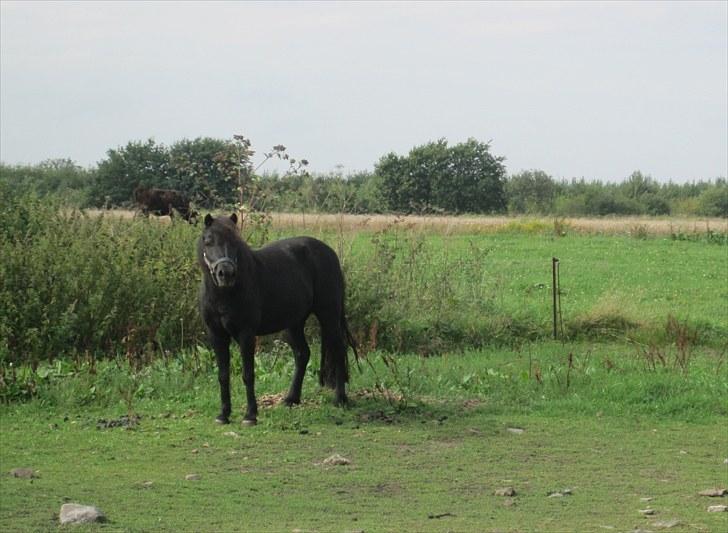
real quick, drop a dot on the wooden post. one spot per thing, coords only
(555, 290)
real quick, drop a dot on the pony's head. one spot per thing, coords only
(218, 249)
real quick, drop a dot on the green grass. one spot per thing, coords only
(477, 290)
(619, 432)
(114, 285)
(419, 465)
(634, 403)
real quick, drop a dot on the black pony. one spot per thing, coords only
(248, 292)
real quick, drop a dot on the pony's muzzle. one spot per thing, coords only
(224, 273)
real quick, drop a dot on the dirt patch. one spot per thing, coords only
(270, 400)
(378, 394)
(124, 421)
(376, 416)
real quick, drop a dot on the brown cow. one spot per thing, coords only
(163, 202)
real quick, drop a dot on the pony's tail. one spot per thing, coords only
(334, 352)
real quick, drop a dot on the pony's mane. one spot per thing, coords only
(230, 230)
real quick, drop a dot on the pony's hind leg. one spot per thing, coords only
(301, 353)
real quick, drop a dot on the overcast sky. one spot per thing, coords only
(576, 89)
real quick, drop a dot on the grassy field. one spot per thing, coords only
(428, 447)
(487, 288)
(462, 393)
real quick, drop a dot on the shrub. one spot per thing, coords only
(655, 205)
(57, 177)
(71, 284)
(531, 192)
(713, 202)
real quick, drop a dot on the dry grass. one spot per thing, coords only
(493, 224)
(447, 225)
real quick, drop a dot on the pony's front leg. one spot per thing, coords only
(221, 345)
(247, 351)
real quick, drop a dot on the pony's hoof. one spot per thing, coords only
(290, 402)
(222, 420)
(249, 421)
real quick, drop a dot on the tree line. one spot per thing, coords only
(437, 177)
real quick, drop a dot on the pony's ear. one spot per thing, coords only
(234, 218)
(208, 220)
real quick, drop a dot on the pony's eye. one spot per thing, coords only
(207, 241)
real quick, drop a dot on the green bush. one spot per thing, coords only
(71, 284)
(531, 192)
(713, 202)
(58, 177)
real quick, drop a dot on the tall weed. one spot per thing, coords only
(72, 284)
(403, 295)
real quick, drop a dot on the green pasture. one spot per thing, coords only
(110, 285)
(429, 440)
(461, 391)
(613, 287)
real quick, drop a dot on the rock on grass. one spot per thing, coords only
(336, 460)
(24, 473)
(713, 493)
(505, 491)
(559, 493)
(665, 524)
(74, 513)
(718, 509)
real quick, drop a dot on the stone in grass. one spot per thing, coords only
(74, 513)
(647, 512)
(559, 493)
(505, 491)
(24, 473)
(718, 508)
(665, 524)
(336, 460)
(193, 477)
(713, 493)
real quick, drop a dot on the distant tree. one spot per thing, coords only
(461, 178)
(205, 169)
(474, 181)
(608, 202)
(531, 191)
(637, 185)
(713, 201)
(138, 163)
(398, 187)
(368, 192)
(655, 204)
